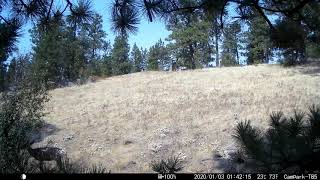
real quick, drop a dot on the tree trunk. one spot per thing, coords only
(216, 33)
(193, 64)
(217, 51)
(93, 54)
(237, 53)
(74, 30)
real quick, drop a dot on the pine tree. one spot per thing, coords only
(96, 37)
(8, 34)
(144, 53)
(190, 37)
(153, 59)
(2, 76)
(106, 66)
(120, 56)
(19, 69)
(216, 30)
(259, 46)
(48, 60)
(136, 58)
(290, 38)
(77, 48)
(230, 52)
(96, 45)
(158, 57)
(290, 145)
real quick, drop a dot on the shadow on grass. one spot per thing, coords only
(311, 68)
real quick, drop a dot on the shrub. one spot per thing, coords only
(291, 144)
(69, 167)
(21, 112)
(171, 165)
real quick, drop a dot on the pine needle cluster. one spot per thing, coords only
(291, 144)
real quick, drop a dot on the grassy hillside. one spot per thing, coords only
(127, 121)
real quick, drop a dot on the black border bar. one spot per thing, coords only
(150, 176)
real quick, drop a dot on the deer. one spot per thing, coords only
(47, 154)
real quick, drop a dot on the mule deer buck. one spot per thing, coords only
(47, 154)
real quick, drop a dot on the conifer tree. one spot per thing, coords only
(136, 58)
(230, 47)
(158, 57)
(97, 45)
(290, 145)
(290, 38)
(48, 60)
(190, 37)
(259, 46)
(18, 70)
(120, 56)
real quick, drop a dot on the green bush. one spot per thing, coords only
(21, 112)
(291, 144)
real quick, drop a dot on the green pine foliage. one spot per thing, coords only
(291, 144)
(190, 38)
(290, 38)
(49, 62)
(3, 74)
(8, 36)
(136, 58)
(120, 56)
(230, 47)
(259, 46)
(81, 54)
(158, 57)
(19, 69)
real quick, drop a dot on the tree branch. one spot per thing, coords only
(221, 14)
(298, 7)
(287, 12)
(260, 11)
(70, 6)
(49, 11)
(6, 21)
(23, 4)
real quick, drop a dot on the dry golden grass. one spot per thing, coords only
(127, 121)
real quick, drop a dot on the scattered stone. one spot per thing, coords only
(229, 151)
(68, 137)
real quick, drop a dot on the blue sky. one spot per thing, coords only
(148, 32)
